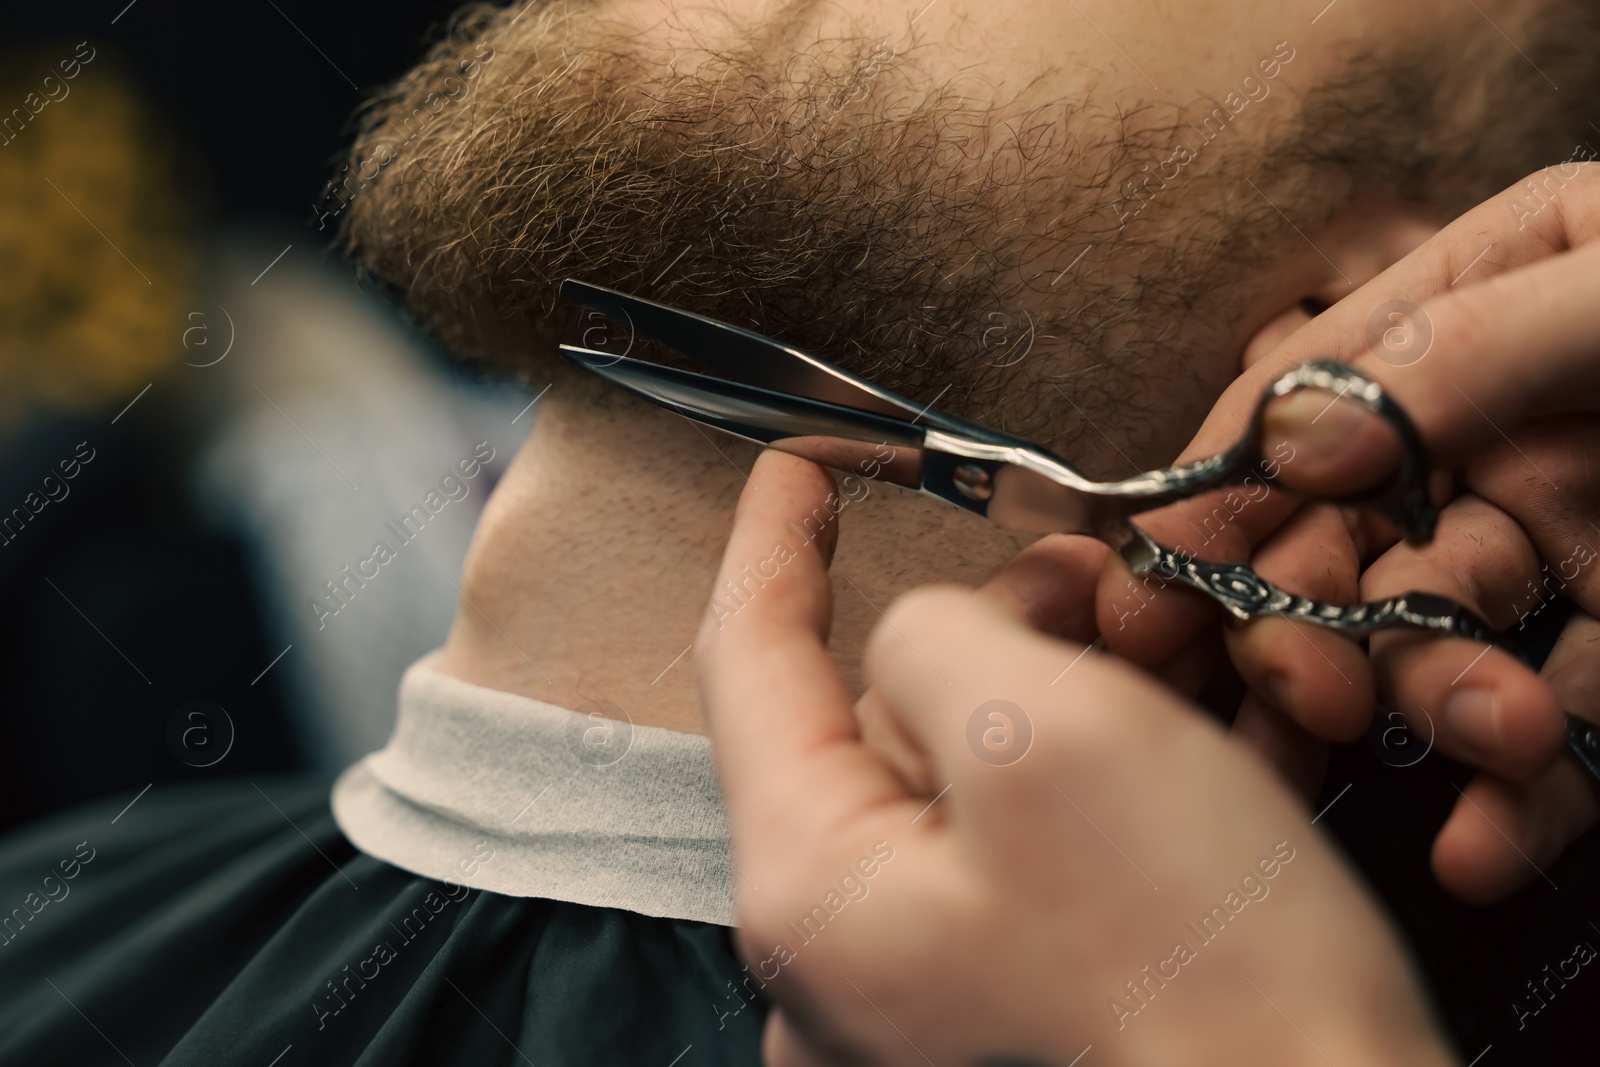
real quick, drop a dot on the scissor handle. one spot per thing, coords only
(1404, 499)
(1246, 595)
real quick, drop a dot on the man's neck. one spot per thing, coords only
(596, 557)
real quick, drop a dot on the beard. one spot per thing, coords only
(1062, 271)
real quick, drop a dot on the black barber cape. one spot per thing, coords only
(203, 927)
(232, 923)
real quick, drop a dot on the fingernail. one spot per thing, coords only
(1327, 444)
(1473, 717)
(1277, 686)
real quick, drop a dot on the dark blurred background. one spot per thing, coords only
(250, 415)
(262, 88)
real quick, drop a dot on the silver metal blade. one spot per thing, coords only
(742, 354)
(874, 446)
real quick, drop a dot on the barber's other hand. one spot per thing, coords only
(1079, 829)
(1496, 357)
(1508, 393)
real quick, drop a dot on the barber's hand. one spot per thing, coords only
(1498, 364)
(1038, 899)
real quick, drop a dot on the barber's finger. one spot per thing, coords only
(1514, 347)
(1005, 713)
(1320, 678)
(781, 717)
(1050, 585)
(1299, 757)
(1486, 706)
(1194, 666)
(1572, 669)
(1502, 834)
(1545, 477)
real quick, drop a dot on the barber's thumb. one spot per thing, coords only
(1326, 445)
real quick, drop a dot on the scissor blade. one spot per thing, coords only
(742, 354)
(980, 478)
(887, 449)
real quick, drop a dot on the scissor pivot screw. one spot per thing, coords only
(973, 481)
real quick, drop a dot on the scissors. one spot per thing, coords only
(776, 395)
